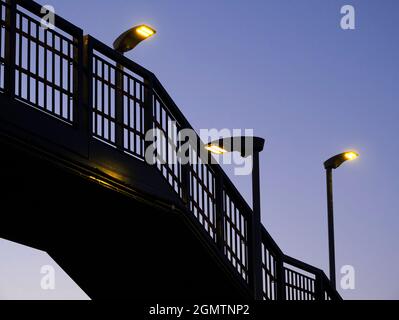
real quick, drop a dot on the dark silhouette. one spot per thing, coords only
(76, 184)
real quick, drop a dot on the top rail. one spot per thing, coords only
(60, 22)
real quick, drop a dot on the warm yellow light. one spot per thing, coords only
(351, 155)
(215, 149)
(100, 181)
(145, 31)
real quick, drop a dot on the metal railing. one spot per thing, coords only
(80, 81)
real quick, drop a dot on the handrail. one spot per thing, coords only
(60, 22)
(301, 265)
(205, 189)
(115, 55)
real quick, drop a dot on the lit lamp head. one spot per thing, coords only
(336, 161)
(239, 144)
(132, 37)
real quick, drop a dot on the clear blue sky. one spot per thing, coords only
(286, 69)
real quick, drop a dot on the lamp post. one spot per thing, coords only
(127, 41)
(248, 146)
(329, 165)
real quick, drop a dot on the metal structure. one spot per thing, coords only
(255, 145)
(330, 165)
(61, 87)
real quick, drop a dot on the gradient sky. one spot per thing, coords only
(287, 70)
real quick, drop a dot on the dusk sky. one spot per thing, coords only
(287, 70)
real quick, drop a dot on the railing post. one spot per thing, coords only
(280, 278)
(185, 171)
(219, 211)
(81, 83)
(10, 47)
(148, 111)
(185, 192)
(256, 232)
(251, 267)
(148, 106)
(319, 289)
(119, 106)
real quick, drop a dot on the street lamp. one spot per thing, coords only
(248, 146)
(329, 165)
(132, 37)
(125, 42)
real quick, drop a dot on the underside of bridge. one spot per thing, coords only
(113, 244)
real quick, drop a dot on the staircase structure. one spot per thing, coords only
(76, 184)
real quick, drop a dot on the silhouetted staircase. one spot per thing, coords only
(76, 184)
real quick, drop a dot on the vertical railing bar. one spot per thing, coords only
(201, 185)
(206, 215)
(109, 123)
(168, 174)
(185, 170)
(1, 29)
(307, 291)
(234, 222)
(86, 97)
(239, 237)
(119, 97)
(61, 78)
(71, 68)
(82, 69)
(142, 113)
(37, 66)
(271, 270)
(179, 165)
(197, 184)
(220, 208)
(275, 279)
(127, 127)
(135, 115)
(266, 274)
(45, 69)
(208, 200)
(161, 140)
(102, 100)
(132, 128)
(147, 112)
(95, 107)
(293, 288)
(53, 71)
(28, 56)
(192, 178)
(20, 56)
(10, 47)
(246, 245)
(70, 64)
